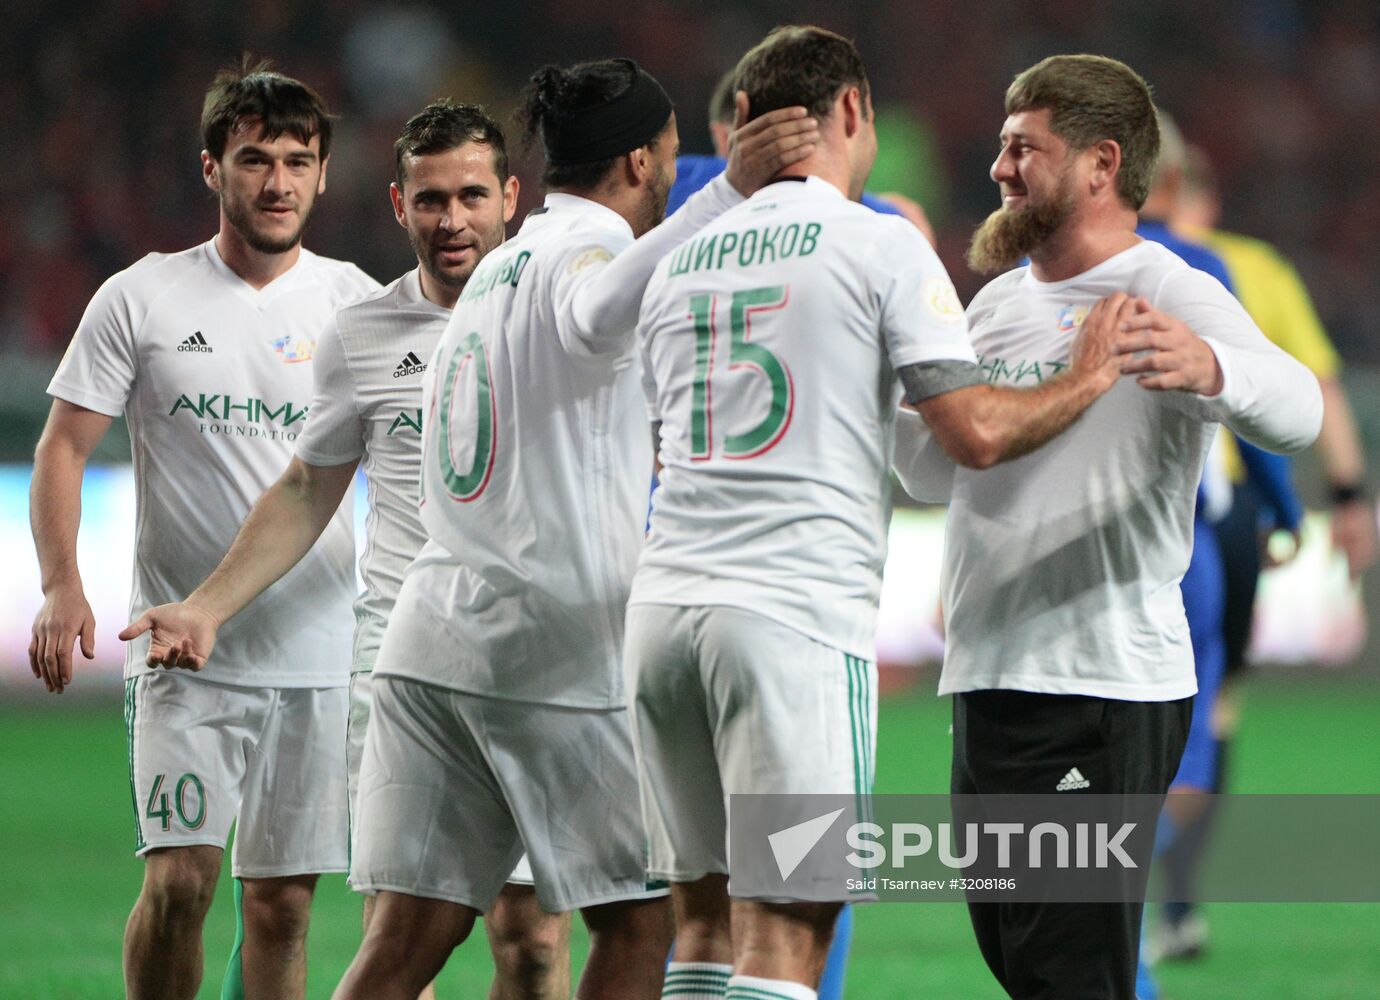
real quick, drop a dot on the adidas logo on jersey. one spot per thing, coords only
(1072, 781)
(196, 342)
(410, 365)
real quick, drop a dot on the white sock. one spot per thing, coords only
(695, 980)
(755, 988)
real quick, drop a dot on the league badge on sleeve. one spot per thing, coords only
(942, 300)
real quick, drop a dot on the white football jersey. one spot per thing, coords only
(771, 342)
(367, 403)
(214, 378)
(1062, 567)
(537, 458)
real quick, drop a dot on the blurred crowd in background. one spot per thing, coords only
(99, 106)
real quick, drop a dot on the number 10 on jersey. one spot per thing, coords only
(742, 353)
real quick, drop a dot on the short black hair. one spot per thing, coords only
(444, 125)
(554, 94)
(254, 92)
(799, 64)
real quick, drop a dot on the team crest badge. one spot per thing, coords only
(293, 350)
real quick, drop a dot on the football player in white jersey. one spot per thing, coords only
(499, 719)
(1067, 648)
(776, 344)
(453, 196)
(208, 354)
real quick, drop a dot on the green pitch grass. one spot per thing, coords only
(67, 877)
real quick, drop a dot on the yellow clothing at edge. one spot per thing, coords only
(1273, 293)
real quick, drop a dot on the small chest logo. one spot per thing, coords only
(409, 365)
(293, 349)
(1071, 318)
(196, 344)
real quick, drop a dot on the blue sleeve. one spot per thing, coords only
(692, 173)
(879, 206)
(1271, 476)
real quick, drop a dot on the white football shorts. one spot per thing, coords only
(271, 761)
(727, 702)
(361, 701)
(454, 785)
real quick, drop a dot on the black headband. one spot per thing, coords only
(612, 128)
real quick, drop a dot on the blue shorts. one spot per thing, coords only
(1204, 592)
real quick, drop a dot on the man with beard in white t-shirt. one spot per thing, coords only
(1067, 648)
(208, 355)
(453, 195)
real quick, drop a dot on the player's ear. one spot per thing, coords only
(1106, 164)
(210, 170)
(851, 104)
(510, 197)
(321, 183)
(395, 195)
(637, 163)
(740, 109)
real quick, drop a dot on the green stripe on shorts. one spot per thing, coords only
(860, 724)
(131, 709)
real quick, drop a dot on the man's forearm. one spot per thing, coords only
(1339, 441)
(55, 514)
(280, 530)
(1020, 420)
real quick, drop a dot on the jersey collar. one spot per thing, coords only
(246, 291)
(559, 201)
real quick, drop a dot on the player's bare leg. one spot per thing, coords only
(429, 990)
(531, 947)
(628, 943)
(703, 927)
(162, 949)
(783, 941)
(407, 944)
(273, 957)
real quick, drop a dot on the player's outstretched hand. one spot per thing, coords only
(1166, 354)
(759, 149)
(1093, 352)
(64, 618)
(183, 635)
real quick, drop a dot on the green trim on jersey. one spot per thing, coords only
(131, 709)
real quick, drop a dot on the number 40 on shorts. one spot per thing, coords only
(187, 792)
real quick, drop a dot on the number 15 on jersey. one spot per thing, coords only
(775, 377)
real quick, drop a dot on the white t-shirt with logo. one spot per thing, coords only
(771, 341)
(214, 378)
(537, 459)
(368, 404)
(1062, 568)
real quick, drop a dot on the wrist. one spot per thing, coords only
(1343, 493)
(65, 580)
(201, 604)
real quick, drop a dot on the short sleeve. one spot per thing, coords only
(101, 363)
(921, 316)
(334, 433)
